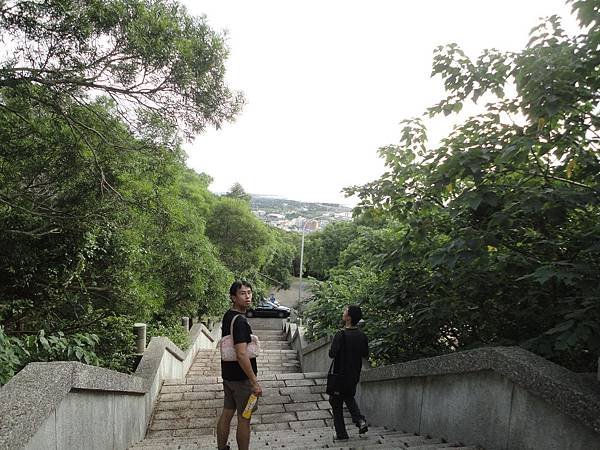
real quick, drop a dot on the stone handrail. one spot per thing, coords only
(577, 396)
(70, 405)
(496, 397)
(295, 336)
(315, 355)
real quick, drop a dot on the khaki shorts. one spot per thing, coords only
(236, 395)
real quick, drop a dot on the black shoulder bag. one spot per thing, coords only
(335, 381)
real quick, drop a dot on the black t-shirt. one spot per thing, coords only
(349, 361)
(231, 370)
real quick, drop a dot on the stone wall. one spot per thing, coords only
(502, 398)
(69, 405)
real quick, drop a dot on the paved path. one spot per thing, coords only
(289, 297)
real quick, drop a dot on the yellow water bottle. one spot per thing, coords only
(249, 406)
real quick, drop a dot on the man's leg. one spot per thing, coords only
(243, 433)
(336, 403)
(358, 419)
(241, 393)
(223, 427)
(229, 408)
(354, 409)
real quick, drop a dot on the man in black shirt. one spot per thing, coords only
(239, 377)
(349, 347)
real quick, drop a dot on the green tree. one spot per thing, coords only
(150, 56)
(279, 265)
(182, 259)
(88, 255)
(497, 243)
(323, 248)
(101, 224)
(242, 240)
(237, 191)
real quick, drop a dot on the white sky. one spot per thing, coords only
(327, 83)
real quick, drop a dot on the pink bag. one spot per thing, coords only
(228, 349)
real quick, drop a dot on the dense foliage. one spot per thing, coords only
(242, 239)
(492, 238)
(101, 223)
(283, 260)
(322, 249)
(154, 59)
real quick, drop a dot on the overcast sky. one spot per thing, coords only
(327, 83)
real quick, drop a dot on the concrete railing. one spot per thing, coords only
(315, 356)
(69, 405)
(295, 336)
(502, 398)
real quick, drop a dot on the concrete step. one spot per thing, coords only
(216, 379)
(275, 345)
(270, 361)
(259, 332)
(297, 400)
(267, 353)
(294, 412)
(322, 437)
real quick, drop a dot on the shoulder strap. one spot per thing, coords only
(341, 349)
(231, 326)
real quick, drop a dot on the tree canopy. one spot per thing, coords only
(101, 223)
(323, 247)
(496, 230)
(237, 191)
(153, 59)
(242, 239)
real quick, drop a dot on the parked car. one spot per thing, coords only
(276, 304)
(268, 309)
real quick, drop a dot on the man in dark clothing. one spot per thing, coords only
(239, 377)
(349, 347)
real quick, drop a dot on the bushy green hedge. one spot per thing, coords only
(16, 353)
(171, 329)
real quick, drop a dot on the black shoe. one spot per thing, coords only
(362, 427)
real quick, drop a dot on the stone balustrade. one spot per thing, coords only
(502, 398)
(68, 405)
(497, 397)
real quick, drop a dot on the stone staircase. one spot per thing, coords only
(294, 412)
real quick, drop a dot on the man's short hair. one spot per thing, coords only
(235, 287)
(355, 314)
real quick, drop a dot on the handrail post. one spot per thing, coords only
(139, 331)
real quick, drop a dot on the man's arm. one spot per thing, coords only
(244, 362)
(365, 355)
(335, 346)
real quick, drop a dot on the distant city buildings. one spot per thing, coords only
(311, 225)
(291, 215)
